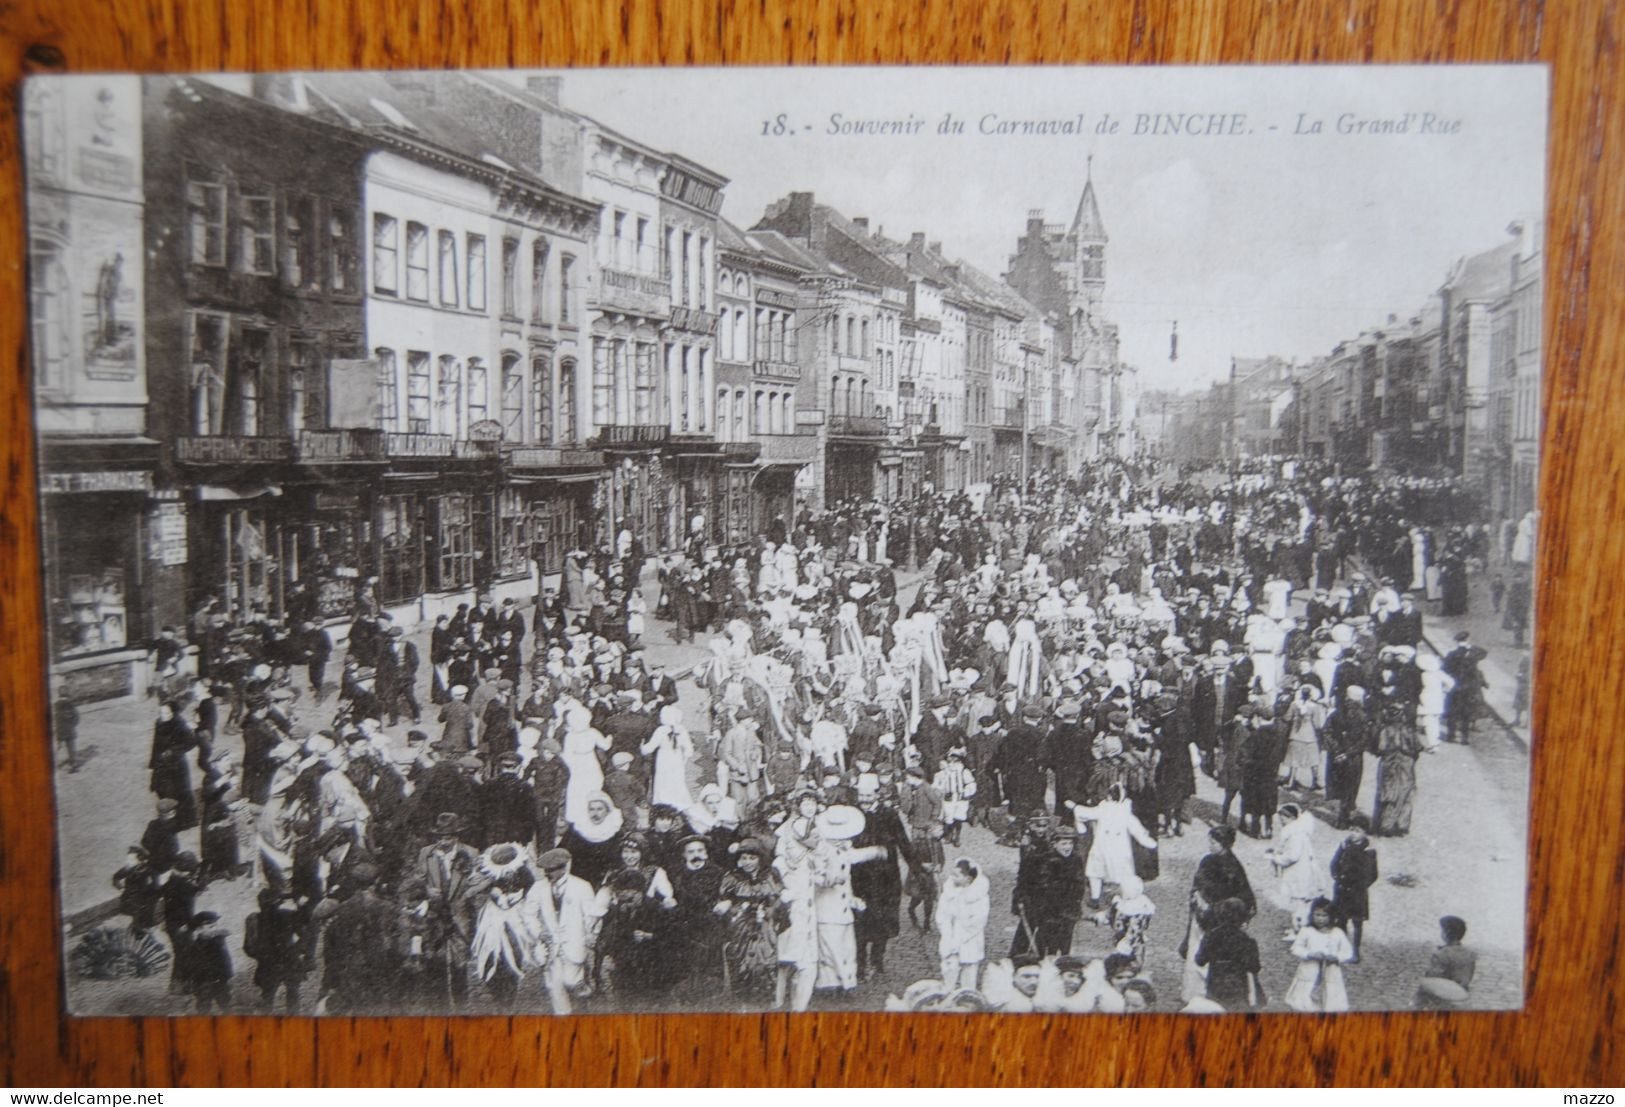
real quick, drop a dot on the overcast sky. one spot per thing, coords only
(1258, 242)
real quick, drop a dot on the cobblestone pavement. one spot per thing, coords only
(1465, 855)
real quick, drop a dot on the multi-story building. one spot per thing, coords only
(1515, 323)
(256, 340)
(114, 527)
(1473, 285)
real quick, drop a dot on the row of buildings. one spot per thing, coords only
(1453, 389)
(294, 332)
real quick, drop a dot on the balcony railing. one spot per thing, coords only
(639, 292)
(860, 426)
(553, 457)
(634, 434)
(232, 449)
(1011, 418)
(408, 445)
(789, 369)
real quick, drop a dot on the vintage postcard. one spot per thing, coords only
(975, 539)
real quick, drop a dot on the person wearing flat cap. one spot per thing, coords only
(570, 916)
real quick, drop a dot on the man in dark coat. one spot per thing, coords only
(452, 887)
(1019, 764)
(1354, 871)
(507, 805)
(278, 939)
(1218, 694)
(879, 884)
(1232, 757)
(1048, 897)
(457, 719)
(936, 736)
(361, 951)
(697, 930)
(1462, 704)
(1349, 733)
(499, 733)
(316, 647)
(1067, 754)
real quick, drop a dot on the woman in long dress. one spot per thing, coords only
(1303, 879)
(751, 911)
(580, 755)
(1397, 750)
(833, 901)
(673, 749)
(1111, 857)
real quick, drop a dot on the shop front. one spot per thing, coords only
(114, 551)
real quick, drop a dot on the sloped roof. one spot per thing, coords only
(781, 249)
(1484, 276)
(1087, 224)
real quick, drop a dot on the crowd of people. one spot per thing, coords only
(553, 829)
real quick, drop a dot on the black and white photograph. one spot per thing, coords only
(944, 540)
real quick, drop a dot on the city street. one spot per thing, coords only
(1465, 855)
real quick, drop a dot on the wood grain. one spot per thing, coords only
(1570, 1033)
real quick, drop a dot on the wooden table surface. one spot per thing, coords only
(1569, 1034)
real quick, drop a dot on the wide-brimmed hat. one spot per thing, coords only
(840, 822)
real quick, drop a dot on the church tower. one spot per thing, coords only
(1088, 241)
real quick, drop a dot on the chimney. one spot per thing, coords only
(936, 248)
(545, 88)
(284, 90)
(916, 242)
(861, 223)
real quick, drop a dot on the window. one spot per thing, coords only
(510, 277)
(479, 393)
(400, 550)
(448, 269)
(566, 265)
(723, 403)
(541, 400)
(603, 384)
(740, 413)
(741, 334)
(388, 390)
(758, 415)
(49, 302)
(298, 243)
(863, 339)
(567, 401)
(476, 272)
(688, 269)
(776, 326)
(789, 337)
(642, 260)
(852, 349)
(417, 392)
(449, 407)
(538, 281)
(772, 413)
(553, 531)
(206, 209)
(454, 527)
(787, 421)
(245, 383)
(702, 258)
(208, 374)
(417, 262)
(514, 531)
(617, 255)
(621, 370)
(644, 384)
(835, 334)
(307, 401)
(513, 398)
(340, 248)
(258, 222)
(667, 256)
(725, 344)
(385, 254)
